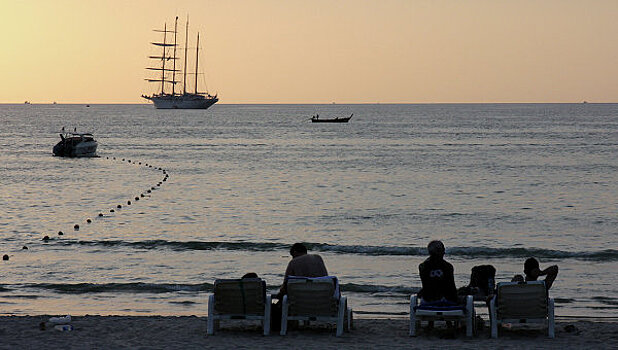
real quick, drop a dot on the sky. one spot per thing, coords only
(318, 51)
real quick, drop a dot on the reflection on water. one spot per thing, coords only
(496, 183)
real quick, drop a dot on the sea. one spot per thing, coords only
(221, 192)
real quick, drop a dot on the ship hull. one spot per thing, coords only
(182, 101)
(81, 149)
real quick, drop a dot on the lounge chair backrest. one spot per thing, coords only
(240, 296)
(521, 300)
(312, 296)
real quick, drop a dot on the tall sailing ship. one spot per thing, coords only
(170, 97)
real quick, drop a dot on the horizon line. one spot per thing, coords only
(301, 103)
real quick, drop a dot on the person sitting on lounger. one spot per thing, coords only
(301, 265)
(437, 276)
(532, 271)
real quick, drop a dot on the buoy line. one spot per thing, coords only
(76, 227)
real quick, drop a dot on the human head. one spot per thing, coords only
(298, 249)
(529, 265)
(250, 275)
(435, 249)
(518, 278)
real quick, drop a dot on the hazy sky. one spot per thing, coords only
(318, 51)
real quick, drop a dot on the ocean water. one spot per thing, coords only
(497, 183)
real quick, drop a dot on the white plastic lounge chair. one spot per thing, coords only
(239, 299)
(315, 299)
(420, 313)
(522, 302)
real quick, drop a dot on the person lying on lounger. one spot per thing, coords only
(532, 271)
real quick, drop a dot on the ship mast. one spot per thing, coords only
(174, 64)
(184, 70)
(163, 59)
(197, 55)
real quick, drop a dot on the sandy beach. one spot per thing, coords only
(153, 332)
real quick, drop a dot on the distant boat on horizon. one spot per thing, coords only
(170, 98)
(316, 119)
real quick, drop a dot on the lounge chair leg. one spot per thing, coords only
(413, 300)
(343, 307)
(550, 319)
(469, 315)
(493, 318)
(350, 321)
(210, 326)
(284, 315)
(267, 312)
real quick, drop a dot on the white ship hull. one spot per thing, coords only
(182, 101)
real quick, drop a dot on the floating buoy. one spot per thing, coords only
(119, 206)
(5, 257)
(46, 238)
(60, 233)
(111, 210)
(100, 214)
(76, 227)
(24, 248)
(88, 220)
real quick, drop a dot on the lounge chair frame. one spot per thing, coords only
(305, 302)
(214, 315)
(419, 314)
(533, 305)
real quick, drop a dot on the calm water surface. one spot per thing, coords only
(497, 183)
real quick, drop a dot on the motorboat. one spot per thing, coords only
(74, 144)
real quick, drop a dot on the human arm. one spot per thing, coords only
(551, 273)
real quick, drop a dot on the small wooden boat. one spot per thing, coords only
(316, 119)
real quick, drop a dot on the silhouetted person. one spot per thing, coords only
(301, 265)
(533, 271)
(250, 275)
(437, 276)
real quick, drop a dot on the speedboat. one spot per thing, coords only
(75, 144)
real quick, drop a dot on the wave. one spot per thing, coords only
(476, 252)
(134, 287)
(395, 292)
(156, 288)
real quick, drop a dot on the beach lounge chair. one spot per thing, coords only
(441, 311)
(315, 299)
(521, 302)
(239, 299)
